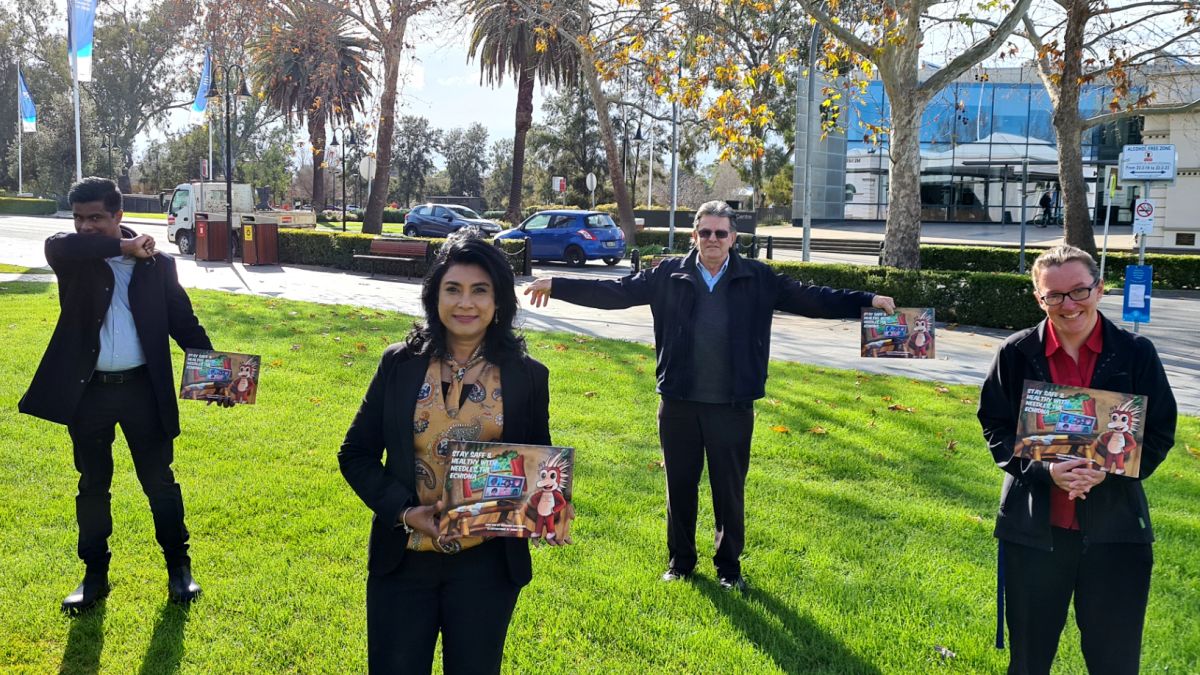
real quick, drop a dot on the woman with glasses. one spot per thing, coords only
(462, 374)
(1066, 529)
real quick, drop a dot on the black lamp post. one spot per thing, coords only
(226, 72)
(349, 142)
(109, 144)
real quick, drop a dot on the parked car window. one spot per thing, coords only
(538, 222)
(600, 220)
(464, 212)
(421, 211)
(440, 212)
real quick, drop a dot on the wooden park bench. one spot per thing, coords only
(390, 249)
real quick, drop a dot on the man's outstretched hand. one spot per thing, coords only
(885, 303)
(540, 291)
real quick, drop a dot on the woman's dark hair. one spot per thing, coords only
(468, 247)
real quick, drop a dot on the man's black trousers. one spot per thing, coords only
(1110, 584)
(689, 432)
(93, 430)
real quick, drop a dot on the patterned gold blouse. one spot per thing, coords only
(480, 418)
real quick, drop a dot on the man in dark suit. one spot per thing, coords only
(109, 363)
(712, 334)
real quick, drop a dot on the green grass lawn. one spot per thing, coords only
(22, 269)
(869, 529)
(146, 216)
(356, 226)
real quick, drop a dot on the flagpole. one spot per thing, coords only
(20, 133)
(75, 80)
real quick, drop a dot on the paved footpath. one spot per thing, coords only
(963, 353)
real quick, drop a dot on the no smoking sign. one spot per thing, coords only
(1143, 216)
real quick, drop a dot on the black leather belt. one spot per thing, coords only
(119, 376)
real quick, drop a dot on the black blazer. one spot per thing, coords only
(161, 310)
(384, 422)
(1115, 511)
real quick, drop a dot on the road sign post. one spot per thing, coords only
(591, 186)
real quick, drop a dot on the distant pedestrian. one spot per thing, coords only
(1047, 205)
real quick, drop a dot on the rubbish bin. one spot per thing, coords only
(746, 222)
(212, 238)
(260, 243)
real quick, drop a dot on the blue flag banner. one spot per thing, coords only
(28, 112)
(81, 19)
(1138, 281)
(201, 103)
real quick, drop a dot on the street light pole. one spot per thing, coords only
(226, 72)
(349, 143)
(108, 145)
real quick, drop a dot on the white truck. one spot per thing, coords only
(209, 197)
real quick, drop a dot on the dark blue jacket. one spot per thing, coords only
(755, 292)
(1115, 511)
(161, 310)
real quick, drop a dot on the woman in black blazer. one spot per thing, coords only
(462, 374)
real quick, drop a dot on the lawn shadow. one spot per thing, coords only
(793, 642)
(165, 651)
(84, 642)
(24, 286)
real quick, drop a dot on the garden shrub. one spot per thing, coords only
(1171, 271)
(27, 206)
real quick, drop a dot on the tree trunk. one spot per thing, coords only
(316, 137)
(390, 49)
(524, 121)
(1068, 130)
(902, 236)
(615, 174)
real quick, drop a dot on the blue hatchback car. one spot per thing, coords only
(571, 236)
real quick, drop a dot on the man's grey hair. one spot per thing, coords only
(716, 208)
(1061, 255)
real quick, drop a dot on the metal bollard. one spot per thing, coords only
(635, 260)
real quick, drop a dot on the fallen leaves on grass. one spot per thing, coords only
(817, 430)
(295, 348)
(901, 408)
(780, 429)
(315, 400)
(978, 520)
(560, 347)
(276, 363)
(1192, 451)
(657, 466)
(967, 401)
(944, 652)
(360, 346)
(589, 394)
(942, 390)
(885, 398)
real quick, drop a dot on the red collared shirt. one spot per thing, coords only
(1068, 371)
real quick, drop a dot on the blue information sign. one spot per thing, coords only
(1136, 306)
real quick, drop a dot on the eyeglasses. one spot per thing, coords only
(706, 233)
(1078, 295)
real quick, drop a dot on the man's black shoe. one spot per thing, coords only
(181, 587)
(737, 583)
(93, 589)
(673, 574)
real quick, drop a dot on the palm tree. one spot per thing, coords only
(307, 66)
(506, 41)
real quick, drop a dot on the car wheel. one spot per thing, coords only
(184, 241)
(410, 230)
(574, 256)
(611, 260)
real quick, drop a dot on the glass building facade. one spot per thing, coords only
(976, 135)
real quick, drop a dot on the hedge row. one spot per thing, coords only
(1170, 271)
(337, 249)
(987, 299)
(25, 206)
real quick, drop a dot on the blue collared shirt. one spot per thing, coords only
(709, 278)
(120, 348)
